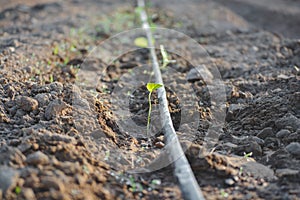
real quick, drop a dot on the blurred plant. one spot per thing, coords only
(165, 57)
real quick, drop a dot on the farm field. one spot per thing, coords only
(74, 101)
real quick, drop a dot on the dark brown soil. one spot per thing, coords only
(60, 138)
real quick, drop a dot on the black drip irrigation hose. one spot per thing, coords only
(187, 181)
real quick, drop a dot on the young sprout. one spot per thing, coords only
(165, 57)
(151, 87)
(18, 190)
(247, 155)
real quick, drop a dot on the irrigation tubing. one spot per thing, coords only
(187, 182)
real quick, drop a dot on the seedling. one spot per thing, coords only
(151, 87)
(241, 171)
(247, 155)
(55, 50)
(107, 154)
(156, 182)
(51, 79)
(135, 187)
(165, 57)
(18, 190)
(133, 184)
(224, 194)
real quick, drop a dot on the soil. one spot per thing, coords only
(60, 138)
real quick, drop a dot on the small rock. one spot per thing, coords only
(283, 76)
(252, 146)
(286, 172)
(295, 100)
(25, 146)
(80, 180)
(51, 182)
(54, 108)
(288, 120)
(8, 178)
(283, 133)
(229, 116)
(37, 158)
(296, 71)
(294, 148)
(199, 73)
(266, 132)
(28, 194)
(28, 69)
(11, 49)
(27, 104)
(229, 181)
(57, 87)
(160, 138)
(272, 142)
(42, 98)
(257, 139)
(159, 145)
(235, 108)
(259, 170)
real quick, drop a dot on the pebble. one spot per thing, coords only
(199, 73)
(57, 87)
(252, 146)
(28, 194)
(257, 139)
(235, 108)
(258, 170)
(229, 116)
(286, 172)
(294, 148)
(159, 145)
(37, 158)
(283, 133)
(229, 181)
(54, 108)
(288, 120)
(8, 178)
(25, 146)
(266, 132)
(27, 104)
(42, 98)
(296, 71)
(51, 182)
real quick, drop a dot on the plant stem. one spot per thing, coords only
(149, 113)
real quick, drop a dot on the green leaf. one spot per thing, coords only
(153, 86)
(55, 50)
(141, 42)
(18, 190)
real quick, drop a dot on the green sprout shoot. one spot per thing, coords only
(165, 57)
(133, 184)
(151, 87)
(247, 155)
(18, 190)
